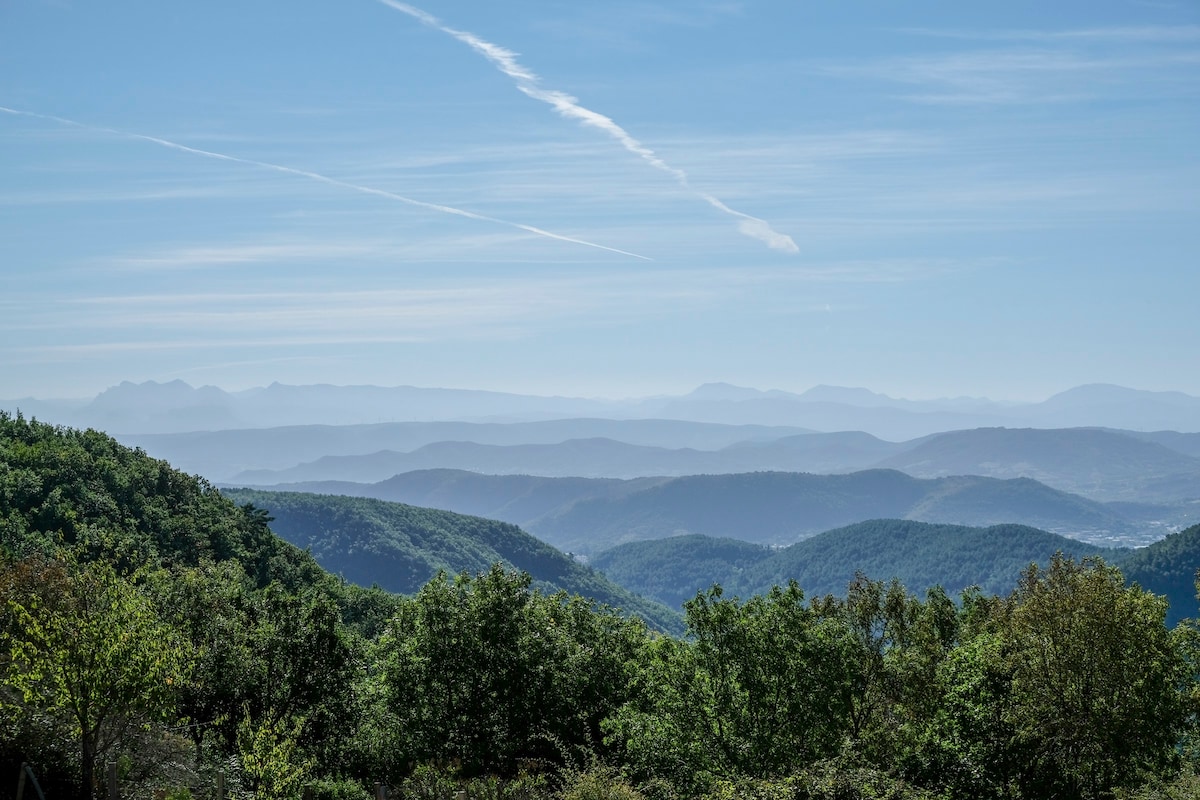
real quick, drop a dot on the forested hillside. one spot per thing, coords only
(400, 547)
(149, 622)
(1169, 567)
(918, 554)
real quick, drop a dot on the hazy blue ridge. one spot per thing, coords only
(782, 508)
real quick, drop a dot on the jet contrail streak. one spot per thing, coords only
(323, 179)
(528, 82)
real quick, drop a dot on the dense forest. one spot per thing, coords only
(152, 623)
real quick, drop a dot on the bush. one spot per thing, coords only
(598, 783)
(339, 789)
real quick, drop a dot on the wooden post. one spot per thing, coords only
(220, 786)
(21, 782)
(307, 793)
(28, 770)
(113, 791)
(380, 791)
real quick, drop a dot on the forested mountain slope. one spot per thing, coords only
(920, 555)
(1169, 567)
(400, 547)
(83, 490)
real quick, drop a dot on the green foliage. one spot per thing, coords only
(428, 782)
(271, 761)
(671, 570)
(918, 554)
(759, 689)
(1096, 676)
(484, 673)
(82, 491)
(86, 646)
(598, 784)
(1185, 786)
(338, 789)
(1168, 567)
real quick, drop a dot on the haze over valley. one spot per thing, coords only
(587, 483)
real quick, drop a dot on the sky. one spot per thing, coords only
(614, 199)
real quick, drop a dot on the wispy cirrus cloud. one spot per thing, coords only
(1030, 66)
(438, 311)
(569, 107)
(315, 176)
(1143, 33)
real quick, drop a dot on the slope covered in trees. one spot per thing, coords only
(400, 547)
(918, 554)
(61, 487)
(1169, 567)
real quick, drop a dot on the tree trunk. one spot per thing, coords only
(87, 765)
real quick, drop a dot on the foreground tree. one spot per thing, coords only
(86, 646)
(760, 688)
(1096, 680)
(486, 673)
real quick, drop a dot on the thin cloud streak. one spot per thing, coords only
(1144, 33)
(529, 83)
(322, 179)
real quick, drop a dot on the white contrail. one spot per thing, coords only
(323, 179)
(506, 61)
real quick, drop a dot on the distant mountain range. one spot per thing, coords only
(1124, 485)
(769, 508)
(1103, 465)
(177, 407)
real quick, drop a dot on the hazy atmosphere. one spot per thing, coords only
(612, 200)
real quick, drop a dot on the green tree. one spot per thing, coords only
(1096, 679)
(760, 689)
(86, 645)
(484, 672)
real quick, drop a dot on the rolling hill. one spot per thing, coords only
(920, 555)
(1100, 464)
(777, 508)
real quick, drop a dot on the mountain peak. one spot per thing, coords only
(719, 391)
(854, 396)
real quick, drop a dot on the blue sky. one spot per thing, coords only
(928, 199)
